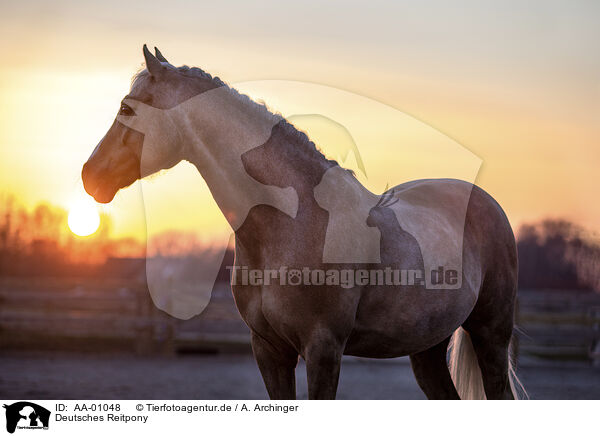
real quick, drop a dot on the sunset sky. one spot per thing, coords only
(514, 85)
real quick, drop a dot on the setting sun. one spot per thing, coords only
(84, 219)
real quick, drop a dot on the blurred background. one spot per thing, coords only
(516, 84)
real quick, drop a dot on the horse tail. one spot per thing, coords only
(466, 373)
(464, 368)
(516, 387)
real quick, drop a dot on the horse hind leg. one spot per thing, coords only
(432, 374)
(490, 327)
(493, 357)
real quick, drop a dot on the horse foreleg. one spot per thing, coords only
(432, 374)
(323, 361)
(277, 368)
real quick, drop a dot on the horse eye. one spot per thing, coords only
(126, 110)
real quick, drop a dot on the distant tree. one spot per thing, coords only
(557, 254)
(38, 242)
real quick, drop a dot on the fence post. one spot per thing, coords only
(143, 322)
(594, 319)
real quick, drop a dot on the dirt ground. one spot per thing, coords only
(30, 375)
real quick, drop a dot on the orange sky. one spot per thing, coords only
(517, 85)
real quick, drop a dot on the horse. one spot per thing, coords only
(292, 209)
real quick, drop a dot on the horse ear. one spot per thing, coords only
(153, 65)
(160, 56)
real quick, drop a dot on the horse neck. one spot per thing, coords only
(244, 152)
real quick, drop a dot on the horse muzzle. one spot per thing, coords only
(97, 184)
(104, 183)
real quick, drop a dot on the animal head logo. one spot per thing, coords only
(26, 415)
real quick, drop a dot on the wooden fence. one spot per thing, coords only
(100, 315)
(559, 324)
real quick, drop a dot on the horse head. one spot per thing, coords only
(145, 137)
